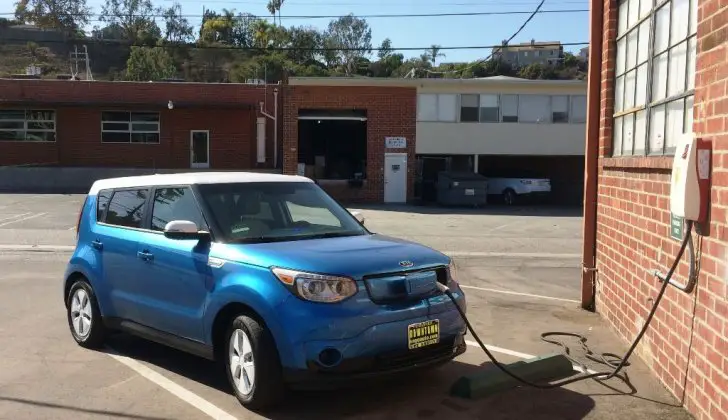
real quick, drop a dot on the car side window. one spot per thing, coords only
(102, 201)
(175, 203)
(126, 208)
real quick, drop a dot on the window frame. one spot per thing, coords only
(130, 126)
(476, 107)
(25, 121)
(646, 111)
(455, 111)
(195, 199)
(145, 219)
(481, 107)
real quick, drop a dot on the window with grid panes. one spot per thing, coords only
(654, 75)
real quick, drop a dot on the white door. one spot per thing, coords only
(199, 149)
(395, 178)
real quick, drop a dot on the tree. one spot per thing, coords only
(385, 49)
(177, 28)
(66, 15)
(434, 52)
(303, 42)
(135, 17)
(353, 37)
(218, 28)
(273, 7)
(149, 63)
(243, 34)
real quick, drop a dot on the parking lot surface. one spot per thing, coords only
(519, 267)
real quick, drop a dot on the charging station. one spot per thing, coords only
(689, 202)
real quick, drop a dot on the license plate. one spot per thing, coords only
(423, 334)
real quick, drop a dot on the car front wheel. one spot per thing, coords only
(253, 366)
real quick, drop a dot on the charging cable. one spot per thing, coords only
(600, 376)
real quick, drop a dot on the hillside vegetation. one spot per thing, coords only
(141, 42)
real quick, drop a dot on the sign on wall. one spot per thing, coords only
(395, 142)
(677, 227)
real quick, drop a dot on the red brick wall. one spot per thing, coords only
(391, 111)
(232, 124)
(688, 341)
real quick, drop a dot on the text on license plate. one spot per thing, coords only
(423, 334)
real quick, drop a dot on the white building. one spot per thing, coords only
(503, 126)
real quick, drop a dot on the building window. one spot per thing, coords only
(469, 108)
(509, 108)
(447, 107)
(560, 109)
(426, 107)
(578, 109)
(27, 125)
(655, 75)
(489, 108)
(534, 108)
(434, 107)
(129, 127)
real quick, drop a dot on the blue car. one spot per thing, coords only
(265, 274)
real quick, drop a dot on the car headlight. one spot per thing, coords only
(316, 287)
(452, 273)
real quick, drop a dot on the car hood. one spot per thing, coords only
(353, 256)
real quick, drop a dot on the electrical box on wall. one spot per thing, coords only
(690, 180)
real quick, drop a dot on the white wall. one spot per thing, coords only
(501, 116)
(500, 139)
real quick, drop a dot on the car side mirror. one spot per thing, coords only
(184, 229)
(359, 217)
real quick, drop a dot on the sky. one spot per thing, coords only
(448, 31)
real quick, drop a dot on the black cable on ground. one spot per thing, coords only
(600, 376)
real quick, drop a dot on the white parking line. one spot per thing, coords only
(509, 254)
(173, 388)
(13, 217)
(508, 292)
(22, 219)
(496, 349)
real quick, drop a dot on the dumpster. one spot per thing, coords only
(461, 189)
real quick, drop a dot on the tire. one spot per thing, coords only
(260, 356)
(509, 197)
(84, 316)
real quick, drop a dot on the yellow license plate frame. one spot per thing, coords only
(423, 334)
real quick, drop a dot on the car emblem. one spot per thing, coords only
(406, 264)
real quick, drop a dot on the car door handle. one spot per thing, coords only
(97, 244)
(145, 255)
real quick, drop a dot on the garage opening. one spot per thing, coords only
(332, 144)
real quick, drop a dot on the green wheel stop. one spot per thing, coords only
(492, 380)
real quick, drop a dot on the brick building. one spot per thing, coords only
(384, 109)
(183, 126)
(663, 74)
(122, 124)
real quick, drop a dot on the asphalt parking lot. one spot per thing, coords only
(519, 267)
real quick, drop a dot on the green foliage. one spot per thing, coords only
(149, 64)
(65, 15)
(234, 47)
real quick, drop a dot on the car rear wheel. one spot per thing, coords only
(84, 316)
(253, 367)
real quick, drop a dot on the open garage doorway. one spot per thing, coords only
(332, 144)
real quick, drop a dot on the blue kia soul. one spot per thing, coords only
(266, 274)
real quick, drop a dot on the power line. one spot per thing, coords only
(476, 63)
(241, 48)
(376, 16)
(388, 4)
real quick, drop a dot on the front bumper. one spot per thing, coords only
(375, 367)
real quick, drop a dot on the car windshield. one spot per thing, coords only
(255, 212)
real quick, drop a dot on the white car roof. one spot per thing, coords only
(191, 178)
